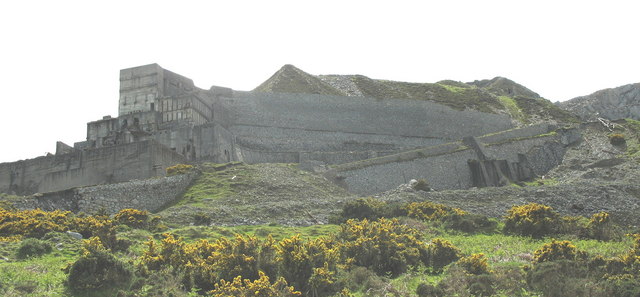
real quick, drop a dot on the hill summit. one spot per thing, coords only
(498, 95)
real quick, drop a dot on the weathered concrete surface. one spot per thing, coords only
(87, 167)
(271, 126)
(150, 194)
(446, 166)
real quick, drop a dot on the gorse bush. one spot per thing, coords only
(309, 266)
(555, 250)
(384, 246)
(600, 227)
(132, 217)
(449, 217)
(33, 223)
(429, 211)
(532, 219)
(36, 223)
(32, 247)
(475, 264)
(260, 287)
(179, 169)
(367, 208)
(97, 268)
(440, 253)
(617, 139)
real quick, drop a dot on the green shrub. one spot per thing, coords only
(481, 285)
(201, 219)
(367, 208)
(429, 290)
(32, 247)
(617, 139)
(532, 219)
(440, 253)
(359, 278)
(562, 278)
(422, 185)
(470, 223)
(623, 287)
(449, 217)
(600, 226)
(97, 268)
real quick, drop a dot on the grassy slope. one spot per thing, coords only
(43, 276)
(258, 194)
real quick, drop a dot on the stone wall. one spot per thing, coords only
(87, 167)
(276, 126)
(150, 194)
(446, 166)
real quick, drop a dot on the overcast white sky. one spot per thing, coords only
(60, 60)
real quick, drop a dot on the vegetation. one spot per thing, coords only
(415, 254)
(512, 108)
(532, 219)
(32, 247)
(617, 139)
(422, 185)
(544, 109)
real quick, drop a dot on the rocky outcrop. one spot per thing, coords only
(613, 104)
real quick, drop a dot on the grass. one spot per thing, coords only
(512, 107)
(34, 277)
(454, 96)
(42, 276)
(544, 109)
(193, 233)
(502, 248)
(216, 181)
(452, 88)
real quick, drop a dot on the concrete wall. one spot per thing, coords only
(141, 86)
(445, 166)
(149, 194)
(88, 167)
(271, 127)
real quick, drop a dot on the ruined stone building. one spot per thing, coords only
(164, 119)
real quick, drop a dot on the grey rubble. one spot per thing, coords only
(613, 104)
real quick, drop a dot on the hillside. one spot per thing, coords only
(236, 219)
(498, 95)
(258, 194)
(613, 104)
(290, 79)
(595, 175)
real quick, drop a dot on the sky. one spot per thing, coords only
(60, 60)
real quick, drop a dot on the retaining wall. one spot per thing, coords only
(445, 166)
(150, 194)
(87, 167)
(270, 127)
